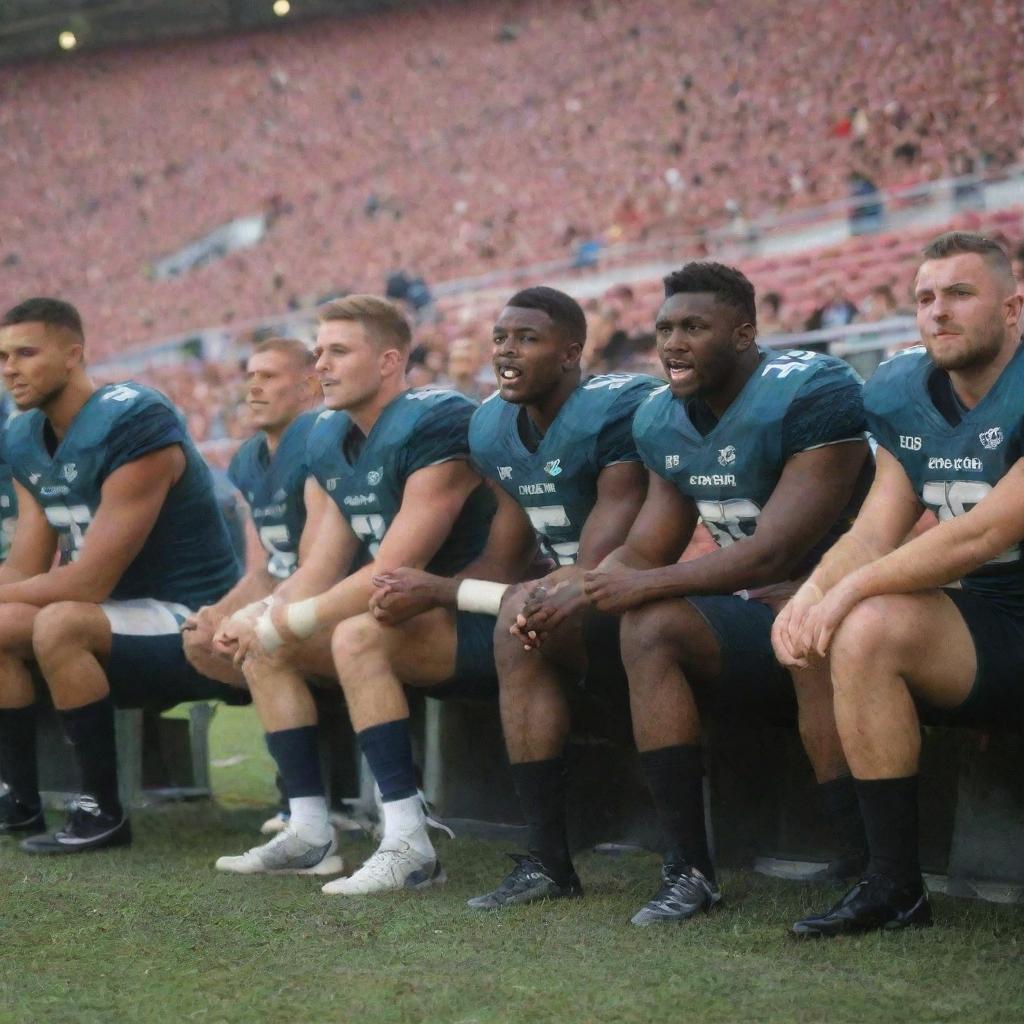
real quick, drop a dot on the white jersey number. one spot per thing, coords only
(280, 564)
(547, 517)
(73, 520)
(951, 498)
(729, 521)
(370, 530)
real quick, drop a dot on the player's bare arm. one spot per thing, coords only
(34, 545)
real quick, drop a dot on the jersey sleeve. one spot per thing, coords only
(645, 434)
(439, 435)
(150, 429)
(829, 409)
(615, 442)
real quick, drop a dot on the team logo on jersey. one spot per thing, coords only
(33, 478)
(375, 476)
(280, 494)
(727, 456)
(504, 472)
(553, 468)
(70, 471)
(332, 483)
(991, 438)
(671, 461)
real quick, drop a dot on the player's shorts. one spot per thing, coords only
(752, 684)
(475, 677)
(147, 667)
(996, 699)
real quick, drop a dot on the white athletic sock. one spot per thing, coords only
(405, 820)
(309, 818)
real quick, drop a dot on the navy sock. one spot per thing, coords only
(889, 807)
(297, 754)
(541, 787)
(843, 809)
(18, 767)
(90, 730)
(675, 777)
(388, 750)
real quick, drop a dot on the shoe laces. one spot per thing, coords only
(527, 870)
(390, 855)
(682, 887)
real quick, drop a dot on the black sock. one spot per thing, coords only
(889, 807)
(839, 797)
(297, 754)
(90, 730)
(388, 750)
(675, 777)
(18, 767)
(541, 786)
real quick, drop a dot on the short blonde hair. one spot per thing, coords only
(299, 352)
(385, 324)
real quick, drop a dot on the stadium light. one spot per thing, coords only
(67, 40)
(281, 7)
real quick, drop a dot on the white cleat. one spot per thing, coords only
(395, 866)
(286, 854)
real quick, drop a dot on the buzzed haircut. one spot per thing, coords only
(385, 324)
(958, 243)
(298, 351)
(52, 312)
(565, 312)
(729, 285)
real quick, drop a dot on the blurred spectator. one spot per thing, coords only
(865, 205)
(836, 311)
(467, 371)
(880, 304)
(769, 314)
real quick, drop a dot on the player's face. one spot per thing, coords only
(347, 364)
(276, 389)
(696, 337)
(961, 311)
(531, 356)
(36, 362)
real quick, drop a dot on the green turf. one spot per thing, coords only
(154, 934)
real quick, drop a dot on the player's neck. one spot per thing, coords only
(64, 407)
(542, 414)
(973, 384)
(366, 415)
(719, 400)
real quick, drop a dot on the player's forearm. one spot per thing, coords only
(349, 597)
(65, 583)
(628, 558)
(850, 553)
(310, 580)
(251, 587)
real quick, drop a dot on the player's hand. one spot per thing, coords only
(616, 589)
(790, 639)
(824, 618)
(545, 609)
(400, 594)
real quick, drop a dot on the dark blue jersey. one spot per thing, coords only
(365, 477)
(555, 481)
(187, 557)
(8, 510)
(272, 485)
(953, 465)
(793, 402)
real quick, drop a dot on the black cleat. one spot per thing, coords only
(684, 892)
(528, 882)
(87, 828)
(874, 902)
(16, 818)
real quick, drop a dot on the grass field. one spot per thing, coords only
(154, 934)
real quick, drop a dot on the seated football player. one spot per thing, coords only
(393, 463)
(580, 503)
(948, 420)
(270, 472)
(109, 477)
(768, 450)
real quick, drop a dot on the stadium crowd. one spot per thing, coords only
(460, 139)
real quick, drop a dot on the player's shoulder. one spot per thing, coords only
(896, 380)
(246, 457)
(296, 437)
(653, 409)
(421, 412)
(432, 398)
(326, 433)
(613, 394)
(489, 417)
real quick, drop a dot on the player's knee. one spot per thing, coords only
(653, 629)
(60, 626)
(868, 633)
(355, 638)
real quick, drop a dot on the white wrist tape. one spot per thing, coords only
(251, 611)
(301, 619)
(267, 634)
(481, 596)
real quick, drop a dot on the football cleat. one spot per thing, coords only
(87, 827)
(16, 818)
(528, 882)
(684, 892)
(875, 902)
(286, 854)
(393, 867)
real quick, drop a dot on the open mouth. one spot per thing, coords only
(680, 371)
(509, 373)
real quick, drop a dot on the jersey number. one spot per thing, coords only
(729, 521)
(549, 517)
(951, 498)
(370, 530)
(280, 564)
(122, 393)
(72, 521)
(611, 381)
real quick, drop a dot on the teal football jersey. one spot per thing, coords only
(421, 427)
(793, 402)
(273, 488)
(8, 510)
(953, 466)
(556, 484)
(187, 557)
